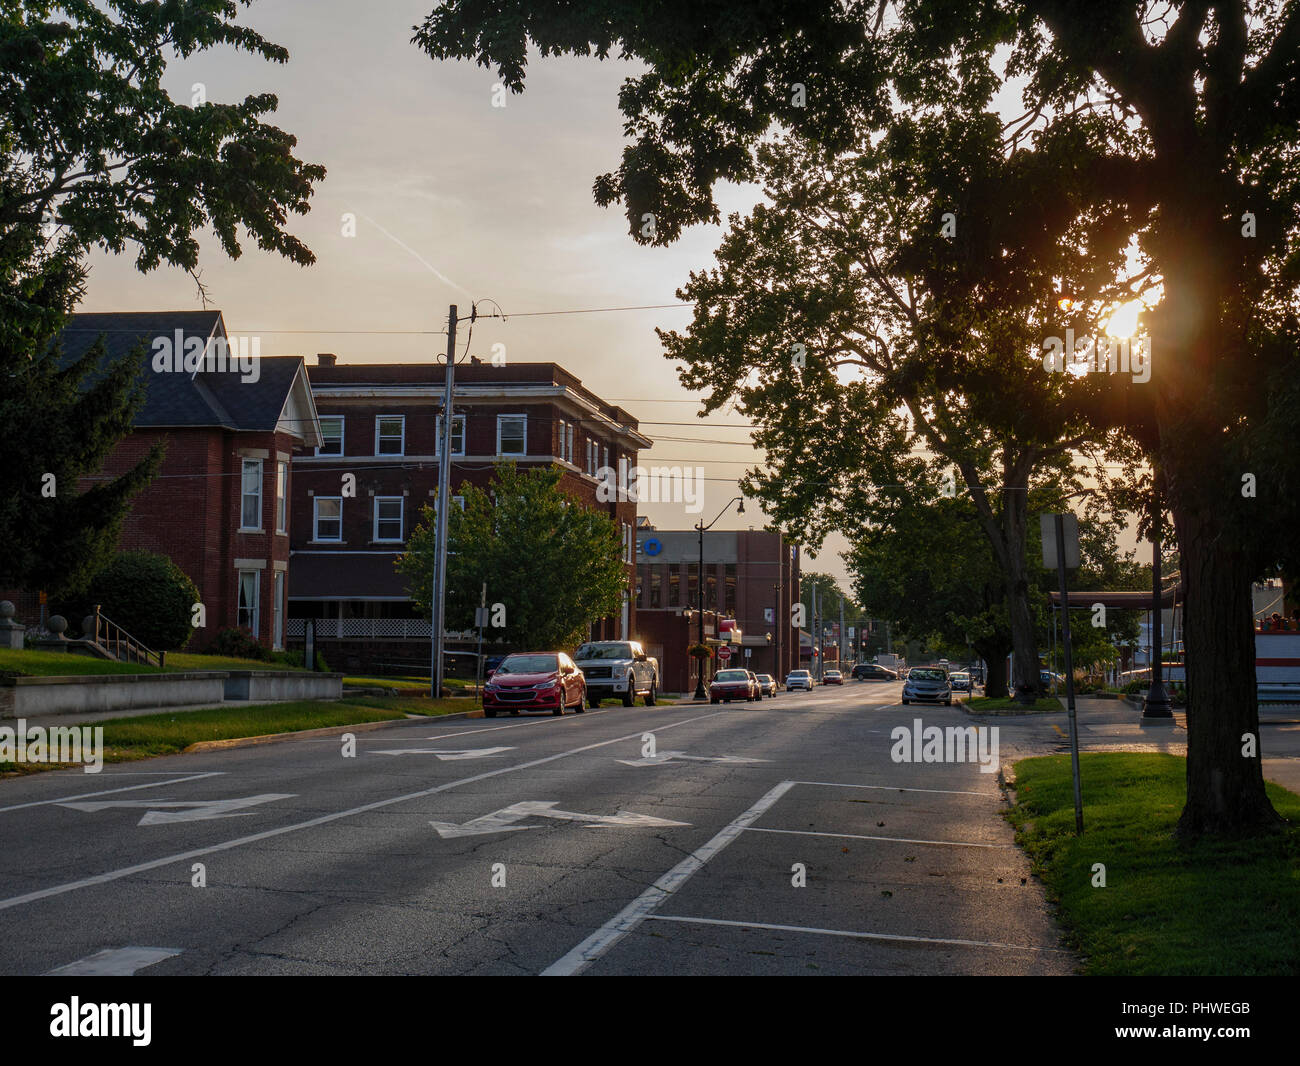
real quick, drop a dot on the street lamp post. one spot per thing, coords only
(700, 694)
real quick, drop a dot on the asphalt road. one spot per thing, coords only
(772, 838)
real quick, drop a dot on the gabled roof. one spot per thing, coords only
(208, 396)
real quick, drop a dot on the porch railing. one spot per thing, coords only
(121, 645)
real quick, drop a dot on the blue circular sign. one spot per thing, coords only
(652, 546)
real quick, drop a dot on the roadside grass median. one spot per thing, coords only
(1213, 908)
(170, 732)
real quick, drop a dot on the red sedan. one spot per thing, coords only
(535, 681)
(728, 685)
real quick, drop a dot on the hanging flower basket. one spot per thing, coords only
(700, 651)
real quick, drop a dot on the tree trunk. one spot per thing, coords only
(1024, 635)
(995, 680)
(1225, 784)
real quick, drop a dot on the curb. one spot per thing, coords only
(327, 731)
(1007, 776)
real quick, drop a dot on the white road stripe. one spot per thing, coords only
(642, 907)
(110, 791)
(857, 935)
(113, 962)
(325, 819)
(894, 840)
(895, 788)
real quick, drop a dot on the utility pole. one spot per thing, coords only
(817, 634)
(444, 497)
(840, 649)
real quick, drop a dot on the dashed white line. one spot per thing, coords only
(855, 934)
(643, 906)
(114, 962)
(893, 840)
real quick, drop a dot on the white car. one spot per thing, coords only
(619, 669)
(797, 679)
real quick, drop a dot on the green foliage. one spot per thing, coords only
(237, 643)
(94, 151)
(149, 596)
(555, 565)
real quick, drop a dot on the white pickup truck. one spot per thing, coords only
(618, 668)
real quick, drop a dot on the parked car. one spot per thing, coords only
(961, 681)
(728, 685)
(618, 668)
(873, 672)
(799, 679)
(535, 681)
(927, 684)
(766, 684)
(832, 677)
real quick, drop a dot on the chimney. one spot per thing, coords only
(326, 359)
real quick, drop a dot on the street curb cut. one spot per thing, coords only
(327, 731)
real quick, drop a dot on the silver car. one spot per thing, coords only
(927, 684)
(799, 679)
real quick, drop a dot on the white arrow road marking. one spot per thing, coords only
(199, 810)
(114, 962)
(470, 753)
(669, 756)
(502, 821)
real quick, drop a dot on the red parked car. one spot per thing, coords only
(535, 681)
(728, 685)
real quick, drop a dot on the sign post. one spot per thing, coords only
(1061, 549)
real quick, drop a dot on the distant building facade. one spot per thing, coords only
(381, 423)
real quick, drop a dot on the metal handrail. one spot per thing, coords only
(117, 637)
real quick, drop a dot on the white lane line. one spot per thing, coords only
(110, 791)
(113, 962)
(894, 840)
(895, 788)
(552, 720)
(642, 907)
(324, 819)
(855, 934)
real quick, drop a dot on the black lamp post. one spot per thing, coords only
(700, 694)
(1157, 701)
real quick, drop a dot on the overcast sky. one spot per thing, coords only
(478, 203)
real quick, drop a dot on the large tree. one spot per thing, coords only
(1206, 94)
(94, 152)
(553, 566)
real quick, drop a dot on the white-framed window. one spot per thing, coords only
(512, 434)
(563, 437)
(331, 435)
(388, 518)
(457, 436)
(390, 435)
(277, 607)
(248, 601)
(459, 501)
(250, 506)
(587, 464)
(327, 517)
(604, 457)
(282, 497)
(573, 435)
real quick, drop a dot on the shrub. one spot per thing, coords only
(1136, 686)
(149, 596)
(237, 643)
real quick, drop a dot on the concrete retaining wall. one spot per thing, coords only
(24, 697)
(257, 685)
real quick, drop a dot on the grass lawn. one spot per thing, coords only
(1213, 908)
(55, 663)
(978, 704)
(410, 684)
(142, 737)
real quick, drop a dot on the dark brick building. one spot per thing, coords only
(230, 420)
(751, 578)
(380, 423)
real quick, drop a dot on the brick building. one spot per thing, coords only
(751, 579)
(219, 505)
(380, 422)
